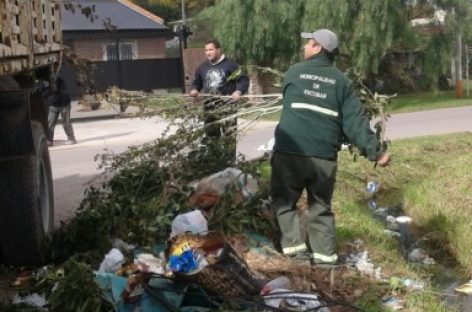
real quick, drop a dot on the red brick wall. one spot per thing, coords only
(146, 48)
(150, 48)
(91, 49)
(263, 83)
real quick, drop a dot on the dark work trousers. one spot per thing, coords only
(215, 109)
(64, 111)
(290, 175)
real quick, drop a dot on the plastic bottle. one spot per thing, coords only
(413, 285)
(372, 204)
(277, 283)
(371, 187)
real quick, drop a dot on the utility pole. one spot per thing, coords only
(182, 45)
(468, 57)
(183, 13)
(459, 89)
(467, 70)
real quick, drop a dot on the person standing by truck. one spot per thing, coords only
(60, 103)
(320, 105)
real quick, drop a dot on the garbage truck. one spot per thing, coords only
(30, 52)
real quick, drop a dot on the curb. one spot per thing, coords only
(94, 118)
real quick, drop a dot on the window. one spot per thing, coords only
(119, 51)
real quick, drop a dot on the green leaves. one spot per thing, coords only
(262, 32)
(149, 186)
(77, 291)
(375, 106)
(366, 28)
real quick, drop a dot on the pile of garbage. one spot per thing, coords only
(195, 269)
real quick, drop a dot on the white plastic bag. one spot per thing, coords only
(112, 262)
(192, 221)
(217, 183)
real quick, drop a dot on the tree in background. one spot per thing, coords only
(458, 23)
(266, 33)
(257, 31)
(261, 30)
(367, 28)
(167, 12)
(171, 10)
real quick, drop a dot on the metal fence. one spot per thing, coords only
(143, 75)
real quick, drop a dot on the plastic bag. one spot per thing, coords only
(192, 221)
(112, 262)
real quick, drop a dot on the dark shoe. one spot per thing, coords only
(50, 143)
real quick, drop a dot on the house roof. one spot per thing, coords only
(120, 14)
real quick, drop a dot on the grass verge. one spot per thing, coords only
(429, 180)
(426, 101)
(412, 103)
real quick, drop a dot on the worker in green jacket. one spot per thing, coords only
(320, 105)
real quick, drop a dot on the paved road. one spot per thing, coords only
(74, 166)
(440, 121)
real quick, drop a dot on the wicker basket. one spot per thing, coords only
(226, 275)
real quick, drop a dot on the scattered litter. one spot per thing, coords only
(364, 266)
(209, 189)
(392, 303)
(357, 243)
(381, 212)
(392, 233)
(112, 262)
(372, 204)
(34, 300)
(277, 283)
(420, 256)
(429, 261)
(186, 262)
(371, 187)
(391, 219)
(193, 222)
(122, 245)
(150, 263)
(267, 148)
(126, 294)
(465, 288)
(292, 301)
(134, 290)
(404, 219)
(212, 264)
(411, 284)
(392, 223)
(345, 147)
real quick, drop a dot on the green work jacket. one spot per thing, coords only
(319, 106)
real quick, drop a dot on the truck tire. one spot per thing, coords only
(26, 204)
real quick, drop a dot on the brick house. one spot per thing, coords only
(115, 30)
(124, 44)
